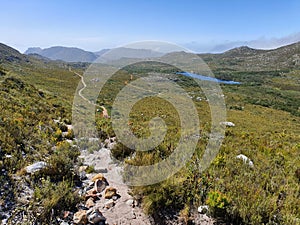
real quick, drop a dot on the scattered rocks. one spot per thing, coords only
(35, 167)
(108, 204)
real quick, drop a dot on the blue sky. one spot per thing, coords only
(93, 25)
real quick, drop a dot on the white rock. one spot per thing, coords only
(130, 202)
(228, 124)
(245, 159)
(35, 167)
(203, 209)
(110, 203)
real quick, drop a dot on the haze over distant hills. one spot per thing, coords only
(242, 58)
(71, 54)
(66, 54)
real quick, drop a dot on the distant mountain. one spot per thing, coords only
(130, 53)
(66, 54)
(101, 52)
(246, 59)
(34, 50)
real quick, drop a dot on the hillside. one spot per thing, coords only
(36, 96)
(248, 59)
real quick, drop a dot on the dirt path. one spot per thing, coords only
(125, 211)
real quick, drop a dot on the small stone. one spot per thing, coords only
(203, 209)
(80, 217)
(110, 203)
(35, 167)
(110, 192)
(98, 176)
(115, 197)
(82, 175)
(228, 124)
(90, 203)
(130, 202)
(92, 194)
(245, 159)
(64, 223)
(95, 216)
(100, 185)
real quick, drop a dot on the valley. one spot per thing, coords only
(37, 95)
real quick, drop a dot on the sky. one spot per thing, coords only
(198, 25)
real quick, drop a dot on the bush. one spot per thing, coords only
(53, 197)
(218, 202)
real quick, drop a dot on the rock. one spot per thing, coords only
(245, 159)
(203, 209)
(92, 194)
(110, 203)
(90, 203)
(82, 175)
(100, 185)
(95, 216)
(35, 167)
(80, 217)
(82, 168)
(101, 170)
(64, 223)
(228, 124)
(110, 192)
(98, 176)
(130, 202)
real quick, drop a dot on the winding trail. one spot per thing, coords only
(122, 212)
(84, 86)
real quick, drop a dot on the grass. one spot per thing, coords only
(265, 110)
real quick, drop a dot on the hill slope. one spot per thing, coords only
(248, 59)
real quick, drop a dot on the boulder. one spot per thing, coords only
(90, 203)
(80, 217)
(98, 176)
(35, 167)
(92, 194)
(110, 192)
(95, 216)
(100, 185)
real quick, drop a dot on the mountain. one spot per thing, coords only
(246, 59)
(101, 52)
(9, 54)
(67, 54)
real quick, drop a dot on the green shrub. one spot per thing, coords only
(53, 197)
